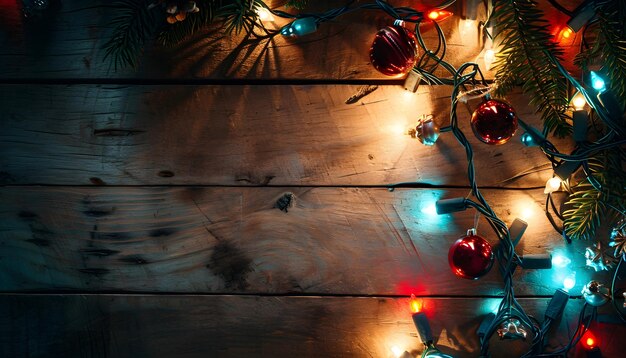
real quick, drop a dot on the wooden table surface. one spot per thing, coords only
(141, 212)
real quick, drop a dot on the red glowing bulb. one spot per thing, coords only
(589, 341)
(439, 15)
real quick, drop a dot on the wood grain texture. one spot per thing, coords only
(231, 326)
(226, 240)
(246, 135)
(68, 43)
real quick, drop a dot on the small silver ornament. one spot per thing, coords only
(427, 131)
(596, 258)
(512, 329)
(596, 294)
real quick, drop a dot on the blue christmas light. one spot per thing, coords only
(597, 82)
(560, 261)
(300, 27)
(527, 140)
(569, 282)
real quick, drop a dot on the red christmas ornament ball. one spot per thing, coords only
(394, 50)
(494, 122)
(470, 256)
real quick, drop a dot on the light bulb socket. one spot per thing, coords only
(470, 9)
(446, 206)
(483, 329)
(516, 231)
(536, 261)
(579, 119)
(423, 328)
(566, 168)
(557, 305)
(581, 15)
(594, 353)
(412, 81)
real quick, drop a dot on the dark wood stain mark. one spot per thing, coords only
(165, 174)
(41, 235)
(97, 213)
(99, 252)
(95, 271)
(231, 264)
(285, 202)
(27, 215)
(134, 259)
(116, 132)
(95, 235)
(96, 181)
(162, 232)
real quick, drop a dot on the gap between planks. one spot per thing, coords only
(261, 294)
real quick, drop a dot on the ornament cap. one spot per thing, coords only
(427, 131)
(596, 294)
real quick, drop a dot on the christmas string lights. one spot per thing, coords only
(509, 320)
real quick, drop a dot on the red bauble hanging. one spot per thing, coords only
(394, 50)
(470, 256)
(494, 122)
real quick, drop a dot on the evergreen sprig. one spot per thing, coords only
(135, 25)
(599, 200)
(139, 22)
(609, 45)
(523, 34)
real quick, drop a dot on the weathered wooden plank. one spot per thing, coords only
(325, 240)
(235, 326)
(68, 44)
(245, 135)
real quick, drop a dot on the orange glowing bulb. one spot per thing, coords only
(591, 342)
(566, 33)
(439, 15)
(415, 304)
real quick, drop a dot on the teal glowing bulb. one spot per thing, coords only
(597, 82)
(560, 261)
(527, 140)
(300, 27)
(569, 283)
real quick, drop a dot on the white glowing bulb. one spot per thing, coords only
(429, 209)
(553, 184)
(560, 261)
(397, 352)
(578, 101)
(490, 56)
(264, 14)
(527, 213)
(569, 282)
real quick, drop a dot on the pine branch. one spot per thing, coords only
(526, 43)
(239, 15)
(589, 206)
(135, 25)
